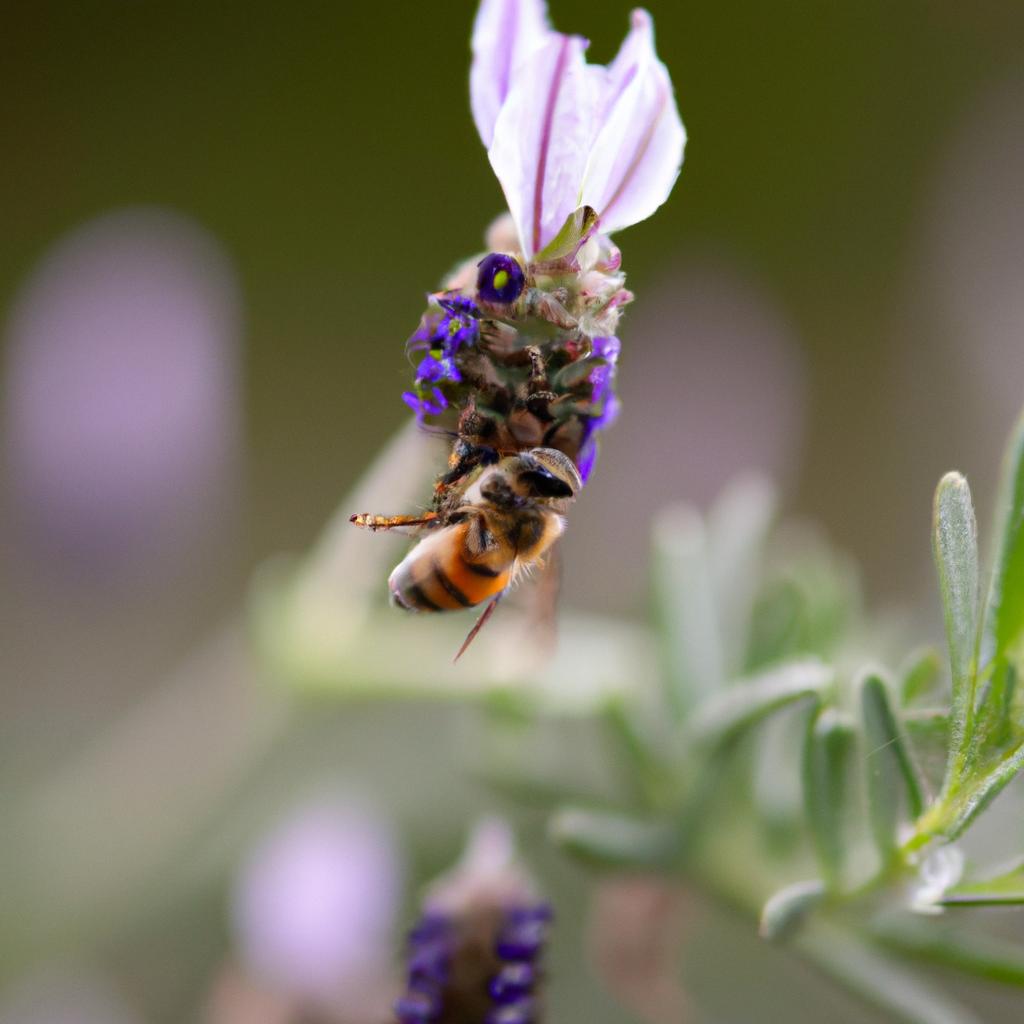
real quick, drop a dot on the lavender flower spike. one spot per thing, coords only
(475, 955)
(568, 134)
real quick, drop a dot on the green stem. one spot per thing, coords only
(978, 955)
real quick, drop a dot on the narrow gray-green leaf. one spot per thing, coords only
(536, 790)
(614, 840)
(738, 525)
(787, 909)
(975, 797)
(888, 768)
(1004, 614)
(723, 717)
(1004, 888)
(685, 608)
(955, 542)
(636, 747)
(898, 746)
(1001, 658)
(826, 754)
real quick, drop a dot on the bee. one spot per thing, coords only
(518, 372)
(500, 526)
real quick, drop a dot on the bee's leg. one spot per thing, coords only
(478, 625)
(375, 523)
(458, 470)
(467, 453)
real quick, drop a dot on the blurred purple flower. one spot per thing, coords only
(315, 904)
(122, 407)
(561, 133)
(474, 955)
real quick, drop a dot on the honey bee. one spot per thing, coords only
(501, 525)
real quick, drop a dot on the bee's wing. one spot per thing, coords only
(541, 595)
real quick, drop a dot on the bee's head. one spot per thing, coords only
(547, 473)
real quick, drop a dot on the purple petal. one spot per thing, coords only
(607, 348)
(587, 457)
(505, 34)
(542, 138)
(638, 150)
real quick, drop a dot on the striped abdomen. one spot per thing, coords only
(441, 573)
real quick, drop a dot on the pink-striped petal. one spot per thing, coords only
(542, 137)
(505, 34)
(638, 150)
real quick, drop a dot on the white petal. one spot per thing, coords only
(542, 138)
(505, 34)
(638, 151)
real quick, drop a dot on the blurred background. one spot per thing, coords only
(218, 225)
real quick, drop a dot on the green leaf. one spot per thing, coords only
(919, 674)
(971, 801)
(685, 608)
(1004, 888)
(634, 745)
(559, 255)
(955, 542)
(888, 764)
(725, 716)
(536, 791)
(898, 747)
(1004, 616)
(1001, 659)
(738, 525)
(614, 840)
(787, 909)
(825, 762)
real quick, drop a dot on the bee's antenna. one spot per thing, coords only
(487, 613)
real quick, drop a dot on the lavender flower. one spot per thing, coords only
(448, 325)
(501, 279)
(604, 399)
(563, 134)
(524, 337)
(474, 955)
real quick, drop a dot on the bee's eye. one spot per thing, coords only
(546, 485)
(500, 278)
